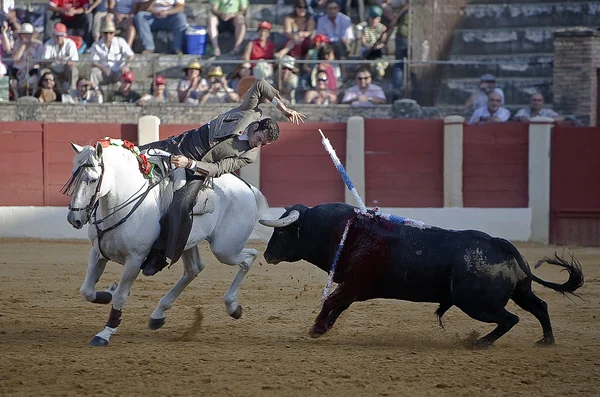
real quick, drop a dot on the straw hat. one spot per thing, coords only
(108, 26)
(216, 71)
(194, 65)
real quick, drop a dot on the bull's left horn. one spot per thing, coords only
(288, 220)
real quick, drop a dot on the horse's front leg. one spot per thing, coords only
(120, 294)
(244, 260)
(96, 266)
(192, 266)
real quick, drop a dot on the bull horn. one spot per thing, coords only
(288, 220)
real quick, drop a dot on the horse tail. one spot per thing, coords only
(573, 267)
(262, 212)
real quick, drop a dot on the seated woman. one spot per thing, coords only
(334, 74)
(263, 47)
(191, 87)
(299, 27)
(242, 70)
(47, 91)
(321, 95)
(158, 92)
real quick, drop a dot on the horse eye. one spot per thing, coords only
(93, 180)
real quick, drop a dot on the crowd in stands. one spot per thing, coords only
(318, 33)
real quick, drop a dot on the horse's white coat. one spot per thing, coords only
(227, 228)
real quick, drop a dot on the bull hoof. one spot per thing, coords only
(98, 342)
(316, 332)
(545, 342)
(156, 323)
(237, 314)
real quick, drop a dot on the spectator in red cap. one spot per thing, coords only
(61, 56)
(158, 92)
(227, 15)
(299, 26)
(72, 13)
(313, 54)
(125, 94)
(263, 47)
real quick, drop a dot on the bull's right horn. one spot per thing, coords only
(288, 220)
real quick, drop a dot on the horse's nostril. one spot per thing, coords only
(78, 224)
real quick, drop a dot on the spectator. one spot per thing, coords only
(8, 14)
(218, 91)
(73, 14)
(86, 93)
(334, 74)
(60, 55)
(241, 71)
(261, 48)
(313, 54)
(27, 52)
(191, 88)
(338, 29)
(479, 98)
(227, 15)
(373, 37)
(161, 15)
(99, 10)
(125, 94)
(536, 108)
(110, 56)
(321, 95)
(395, 12)
(5, 46)
(122, 12)
(492, 113)
(47, 91)
(364, 93)
(298, 27)
(158, 92)
(288, 80)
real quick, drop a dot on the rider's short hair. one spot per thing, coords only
(271, 127)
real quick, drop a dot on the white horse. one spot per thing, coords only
(106, 178)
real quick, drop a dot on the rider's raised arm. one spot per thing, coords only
(259, 91)
(226, 165)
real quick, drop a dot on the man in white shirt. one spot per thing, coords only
(492, 113)
(161, 15)
(479, 98)
(60, 55)
(536, 108)
(364, 93)
(337, 27)
(110, 56)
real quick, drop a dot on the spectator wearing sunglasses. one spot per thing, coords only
(288, 80)
(47, 91)
(364, 93)
(298, 27)
(86, 93)
(487, 85)
(321, 95)
(110, 56)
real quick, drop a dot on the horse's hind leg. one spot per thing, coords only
(96, 266)
(120, 294)
(244, 260)
(527, 300)
(192, 266)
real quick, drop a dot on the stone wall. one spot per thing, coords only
(575, 74)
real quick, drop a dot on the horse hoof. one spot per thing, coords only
(237, 314)
(156, 323)
(98, 342)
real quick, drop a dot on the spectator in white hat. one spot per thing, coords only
(60, 55)
(287, 80)
(479, 98)
(27, 53)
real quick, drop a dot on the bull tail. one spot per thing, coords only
(573, 267)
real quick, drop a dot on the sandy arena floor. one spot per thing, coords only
(377, 348)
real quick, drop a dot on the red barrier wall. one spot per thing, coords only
(574, 191)
(404, 163)
(496, 165)
(296, 168)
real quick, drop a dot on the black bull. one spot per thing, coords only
(469, 269)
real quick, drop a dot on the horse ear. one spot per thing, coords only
(76, 147)
(98, 150)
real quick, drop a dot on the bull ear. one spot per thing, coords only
(76, 147)
(98, 150)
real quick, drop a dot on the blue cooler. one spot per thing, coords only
(196, 40)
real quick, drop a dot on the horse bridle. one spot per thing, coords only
(94, 200)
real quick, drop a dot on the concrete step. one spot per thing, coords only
(503, 41)
(504, 15)
(501, 66)
(516, 90)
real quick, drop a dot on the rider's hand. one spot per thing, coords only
(180, 161)
(293, 116)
